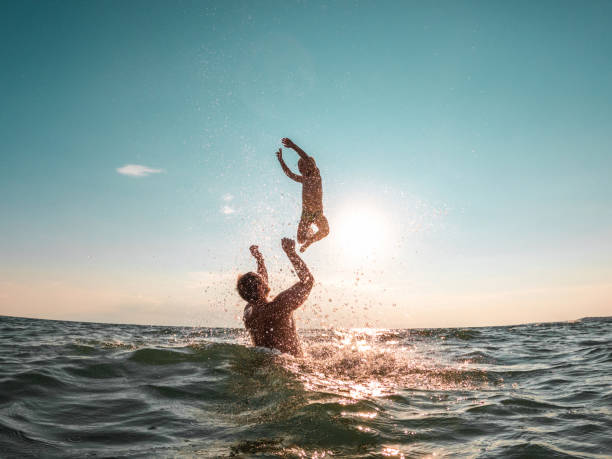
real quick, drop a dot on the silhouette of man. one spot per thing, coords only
(271, 323)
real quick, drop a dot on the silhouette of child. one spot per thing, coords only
(312, 196)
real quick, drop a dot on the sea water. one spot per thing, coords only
(73, 389)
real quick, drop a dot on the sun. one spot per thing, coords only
(361, 231)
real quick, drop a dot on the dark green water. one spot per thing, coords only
(70, 389)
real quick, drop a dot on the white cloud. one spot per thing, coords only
(137, 170)
(227, 209)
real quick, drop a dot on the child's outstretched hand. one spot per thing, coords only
(287, 142)
(288, 245)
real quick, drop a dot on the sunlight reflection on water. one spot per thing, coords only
(366, 362)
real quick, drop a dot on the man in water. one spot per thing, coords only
(271, 323)
(312, 196)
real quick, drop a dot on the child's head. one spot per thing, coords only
(306, 167)
(252, 287)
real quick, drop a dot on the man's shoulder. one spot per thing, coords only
(251, 312)
(281, 306)
(248, 312)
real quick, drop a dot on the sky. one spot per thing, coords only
(464, 148)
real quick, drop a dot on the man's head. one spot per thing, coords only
(252, 287)
(306, 166)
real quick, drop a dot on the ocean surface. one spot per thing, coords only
(72, 389)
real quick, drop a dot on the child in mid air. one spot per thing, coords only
(312, 196)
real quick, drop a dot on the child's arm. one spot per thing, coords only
(261, 266)
(291, 175)
(289, 144)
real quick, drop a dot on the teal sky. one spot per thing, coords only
(471, 138)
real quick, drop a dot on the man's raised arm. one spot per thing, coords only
(294, 297)
(261, 266)
(291, 175)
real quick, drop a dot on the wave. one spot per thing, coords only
(78, 390)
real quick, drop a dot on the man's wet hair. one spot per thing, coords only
(249, 286)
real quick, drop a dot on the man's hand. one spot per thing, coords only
(261, 266)
(255, 251)
(288, 245)
(287, 142)
(279, 154)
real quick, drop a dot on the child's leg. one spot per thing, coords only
(302, 232)
(323, 230)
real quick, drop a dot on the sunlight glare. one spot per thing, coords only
(362, 231)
